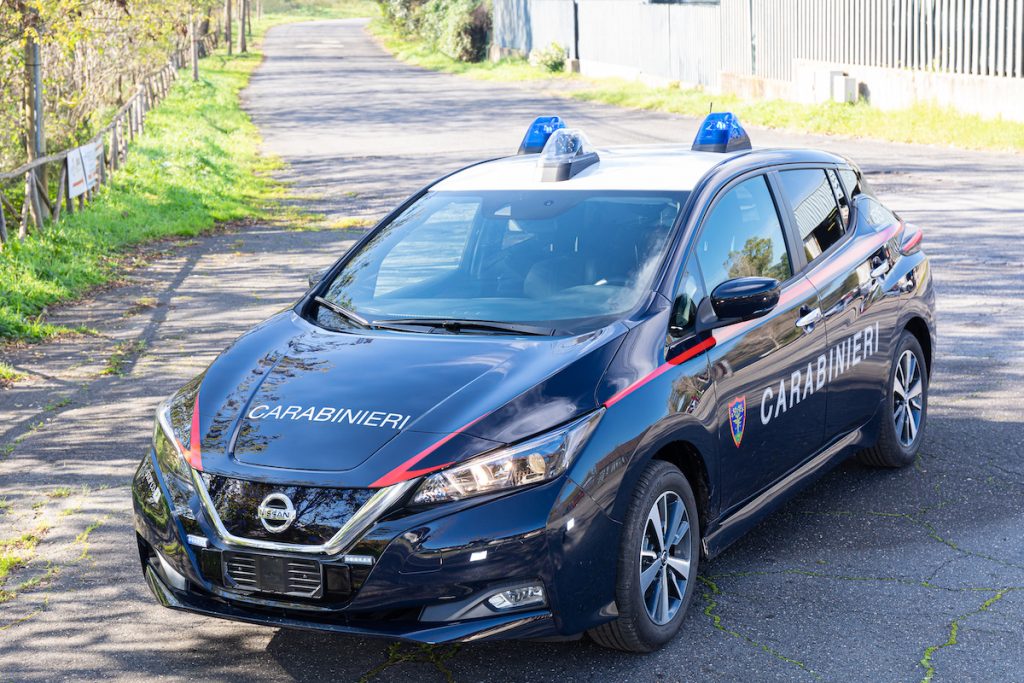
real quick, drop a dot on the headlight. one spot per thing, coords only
(169, 453)
(531, 462)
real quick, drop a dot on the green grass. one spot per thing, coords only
(16, 552)
(923, 123)
(196, 165)
(8, 375)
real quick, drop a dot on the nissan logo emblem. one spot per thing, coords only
(276, 513)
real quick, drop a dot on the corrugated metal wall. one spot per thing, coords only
(693, 42)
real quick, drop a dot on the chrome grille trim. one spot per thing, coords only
(364, 518)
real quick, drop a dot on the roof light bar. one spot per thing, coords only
(538, 133)
(721, 132)
(566, 153)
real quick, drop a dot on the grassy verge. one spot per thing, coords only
(925, 124)
(197, 165)
(420, 54)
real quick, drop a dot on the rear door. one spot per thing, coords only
(771, 403)
(839, 265)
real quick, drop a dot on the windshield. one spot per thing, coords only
(559, 258)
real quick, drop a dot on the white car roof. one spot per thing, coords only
(639, 167)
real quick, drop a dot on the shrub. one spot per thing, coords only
(551, 58)
(458, 28)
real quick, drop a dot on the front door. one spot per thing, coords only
(769, 386)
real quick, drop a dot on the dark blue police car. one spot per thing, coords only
(541, 392)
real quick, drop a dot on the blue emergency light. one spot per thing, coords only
(721, 132)
(538, 133)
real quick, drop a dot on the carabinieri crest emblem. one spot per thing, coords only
(738, 418)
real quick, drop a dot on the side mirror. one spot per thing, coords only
(316, 276)
(734, 301)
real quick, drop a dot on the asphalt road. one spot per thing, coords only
(872, 576)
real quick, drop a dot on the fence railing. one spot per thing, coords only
(111, 144)
(693, 41)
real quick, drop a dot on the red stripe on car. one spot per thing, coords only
(195, 457)
(662, 369)
(404, 472)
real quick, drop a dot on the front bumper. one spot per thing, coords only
(431, 574)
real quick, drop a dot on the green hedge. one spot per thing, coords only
(458, 28)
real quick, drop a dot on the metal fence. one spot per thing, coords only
(695, 41)
(41, 201)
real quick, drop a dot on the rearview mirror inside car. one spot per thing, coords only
(733, 301)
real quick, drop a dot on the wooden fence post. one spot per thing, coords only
(3, 226)
(60, 189)
(32, 199)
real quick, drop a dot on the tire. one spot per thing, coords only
(636, 629)
(899, 442)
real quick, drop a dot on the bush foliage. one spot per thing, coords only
(458, 28)
(551, 58)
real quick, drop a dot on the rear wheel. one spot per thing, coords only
(657, 562)
(902, 428)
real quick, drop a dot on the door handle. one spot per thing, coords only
(879, 269)
(807, 318)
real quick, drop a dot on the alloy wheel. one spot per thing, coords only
(665, 558)
(907, 398)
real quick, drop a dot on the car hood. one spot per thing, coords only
(290, 402)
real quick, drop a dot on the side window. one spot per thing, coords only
(742, 237)
(849, 178)
(689, 293)
(814, 206)
(877, 216)
(837, 190)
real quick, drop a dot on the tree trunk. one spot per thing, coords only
(35, 137)
(241, 27)
(227, 24)
(194, 40)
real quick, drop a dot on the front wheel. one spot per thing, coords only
(657, 562)
(902, 428)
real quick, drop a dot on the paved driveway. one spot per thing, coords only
(873, 576)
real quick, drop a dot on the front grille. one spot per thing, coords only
(319, 512)
(276, 575)
(242, 570)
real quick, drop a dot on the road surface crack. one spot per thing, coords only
(710, 597)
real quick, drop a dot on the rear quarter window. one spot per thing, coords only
(873, 214)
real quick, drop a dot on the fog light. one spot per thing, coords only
(513, 598)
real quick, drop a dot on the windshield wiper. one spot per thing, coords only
(349, 315)
(457, 325)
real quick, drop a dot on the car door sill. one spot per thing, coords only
(750, 514)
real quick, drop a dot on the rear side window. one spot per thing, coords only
(849, 178)
(876, 215)
(815, 209)
(742, 237)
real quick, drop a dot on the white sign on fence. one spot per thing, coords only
(83, 169)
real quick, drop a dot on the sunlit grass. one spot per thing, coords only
(420, 54)
(923, 123)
